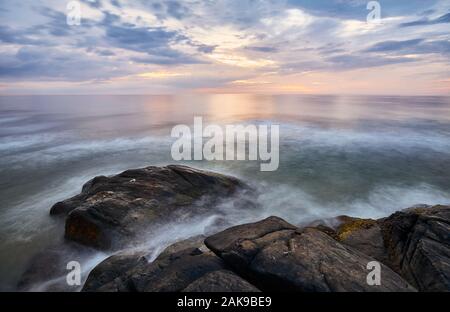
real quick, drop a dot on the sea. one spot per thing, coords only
(363, 156)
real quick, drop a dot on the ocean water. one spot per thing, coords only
(365, 156)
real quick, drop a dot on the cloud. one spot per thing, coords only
(116, 3)
(167, 8)
(54, 64)
(149, 40)
(414, 46)
(176, 9)
(254, 40)
(105, 52)
(263, 49)
(153, 41)
(204, 48)
(56, 25)
(357, 9)
(15, 36)
(438, 46)
(393, 45)
(444, 19)
(167, 60)
(348, 62)
(93, 3)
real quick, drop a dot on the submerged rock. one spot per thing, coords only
(110, 209)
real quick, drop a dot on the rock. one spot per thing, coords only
(226, 239)
(184, 270)
(411, 246)
(413, 242)
(193, 242)
(110, 209)
(220, 281)
(418, 245)
(274, 255)
(177, 271)
(363, 235)
(106, 276)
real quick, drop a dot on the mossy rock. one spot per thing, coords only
(350, 225)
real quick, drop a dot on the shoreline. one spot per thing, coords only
(115, 209)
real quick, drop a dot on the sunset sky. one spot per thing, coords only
(207, 46)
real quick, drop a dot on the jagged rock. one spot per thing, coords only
(418, 245)
(413, 242)
(110, 209)
(274, 255)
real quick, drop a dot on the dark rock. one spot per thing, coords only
(228, 238)
(418, 245)
(175, 272)
(110, 209)
(185, 270)
(193, 242)
(106, 276)
(274, 255)
(220, 281)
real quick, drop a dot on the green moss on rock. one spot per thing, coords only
(350, 225)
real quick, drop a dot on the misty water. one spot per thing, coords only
(364, 156)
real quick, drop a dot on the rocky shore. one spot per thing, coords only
(412, 247)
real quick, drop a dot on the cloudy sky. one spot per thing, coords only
(225, 46)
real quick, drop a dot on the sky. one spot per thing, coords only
(225, 46)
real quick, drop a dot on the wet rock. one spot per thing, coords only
(184, 270)
(274, 255)
(175, 272)
(193, 242)
(112, 209)
(107, 276)
(228, 238)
